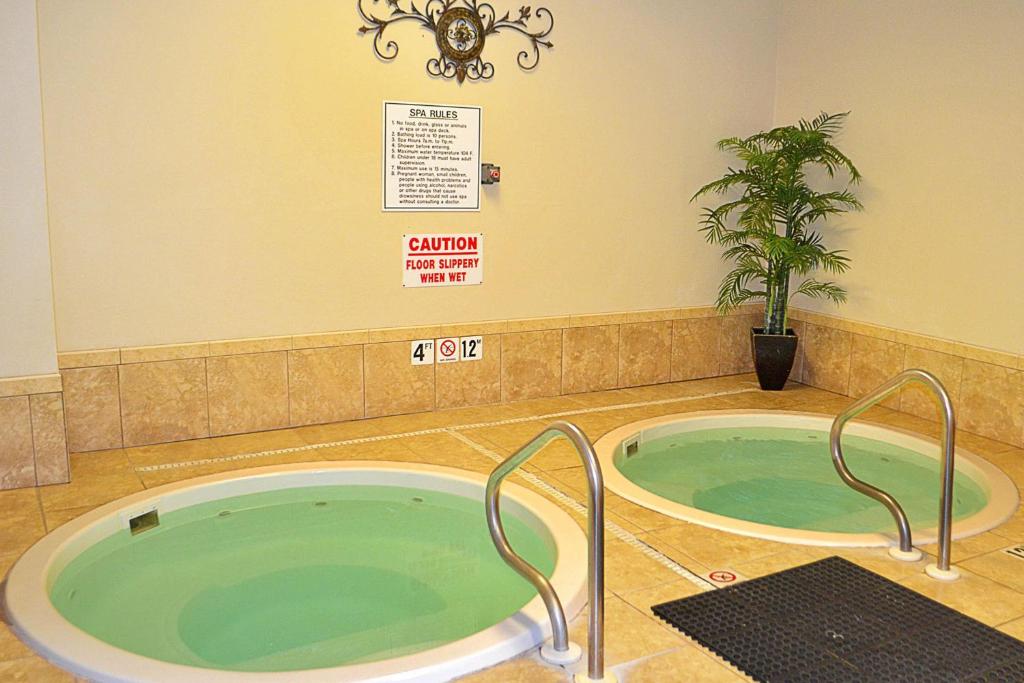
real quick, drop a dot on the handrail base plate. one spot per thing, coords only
(912, 555)
(951, 574)
(552, 656)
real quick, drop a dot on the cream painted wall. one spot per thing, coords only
(214, 165)
(27, 341)
(936, 90)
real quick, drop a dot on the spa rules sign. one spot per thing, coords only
(442, 260)
(431, 157)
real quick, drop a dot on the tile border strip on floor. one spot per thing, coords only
(435, 430)
(620, 533)
(455, 431)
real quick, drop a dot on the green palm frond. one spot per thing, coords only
(725, 183)
(829, 124)
(821, 290)
(734, 290)
(834, 262)
(744, 249)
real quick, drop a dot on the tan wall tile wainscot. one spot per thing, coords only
(139, 396)
(393, 385)
(17, 457)
(590, 358)
(92, 406)
(645, 353)
(163, 401)
(734, 347)
(325, 384)
(149, 395)
(872, 362)
(33, 443)
(247, 392)
(49, 439)
(696, 348)
(827, 358)
(992, 401)
(471, 383)
(916, 399)
(531, 365)
(986, 386)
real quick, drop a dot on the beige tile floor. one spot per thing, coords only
(639, 648)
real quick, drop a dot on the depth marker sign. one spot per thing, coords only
(421, 352)
(1015, 551)
(442, 260)
(472, 348)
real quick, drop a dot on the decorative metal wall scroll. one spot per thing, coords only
(461, 28)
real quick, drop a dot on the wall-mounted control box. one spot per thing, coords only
(489, 174)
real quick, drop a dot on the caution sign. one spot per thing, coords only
(442, 260)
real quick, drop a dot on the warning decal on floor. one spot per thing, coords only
(723, 577)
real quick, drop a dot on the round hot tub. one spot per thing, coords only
(313, 572)
(770, 475)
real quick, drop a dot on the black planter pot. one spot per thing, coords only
(773, 357)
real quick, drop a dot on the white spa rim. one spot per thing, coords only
(1000, 490)
(35, 620)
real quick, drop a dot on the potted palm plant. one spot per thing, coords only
(770, 231)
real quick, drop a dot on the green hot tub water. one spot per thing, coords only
(784, 477)
(300, 579)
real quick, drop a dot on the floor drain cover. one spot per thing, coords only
(833, 621)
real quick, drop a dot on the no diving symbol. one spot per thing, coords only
(722, 576)
(448, 350)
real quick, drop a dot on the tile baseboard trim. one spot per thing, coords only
(30, 385)
(951, 347)
(223, 347)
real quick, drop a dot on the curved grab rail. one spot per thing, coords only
(948, 437)
(595, 548)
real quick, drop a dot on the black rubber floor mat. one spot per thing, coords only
(834, 622)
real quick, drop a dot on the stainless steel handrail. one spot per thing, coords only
(595, 548)
(947, 472)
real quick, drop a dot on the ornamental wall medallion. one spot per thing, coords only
(461, 28)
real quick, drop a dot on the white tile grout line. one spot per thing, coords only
(436, 430)
(620, 533)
